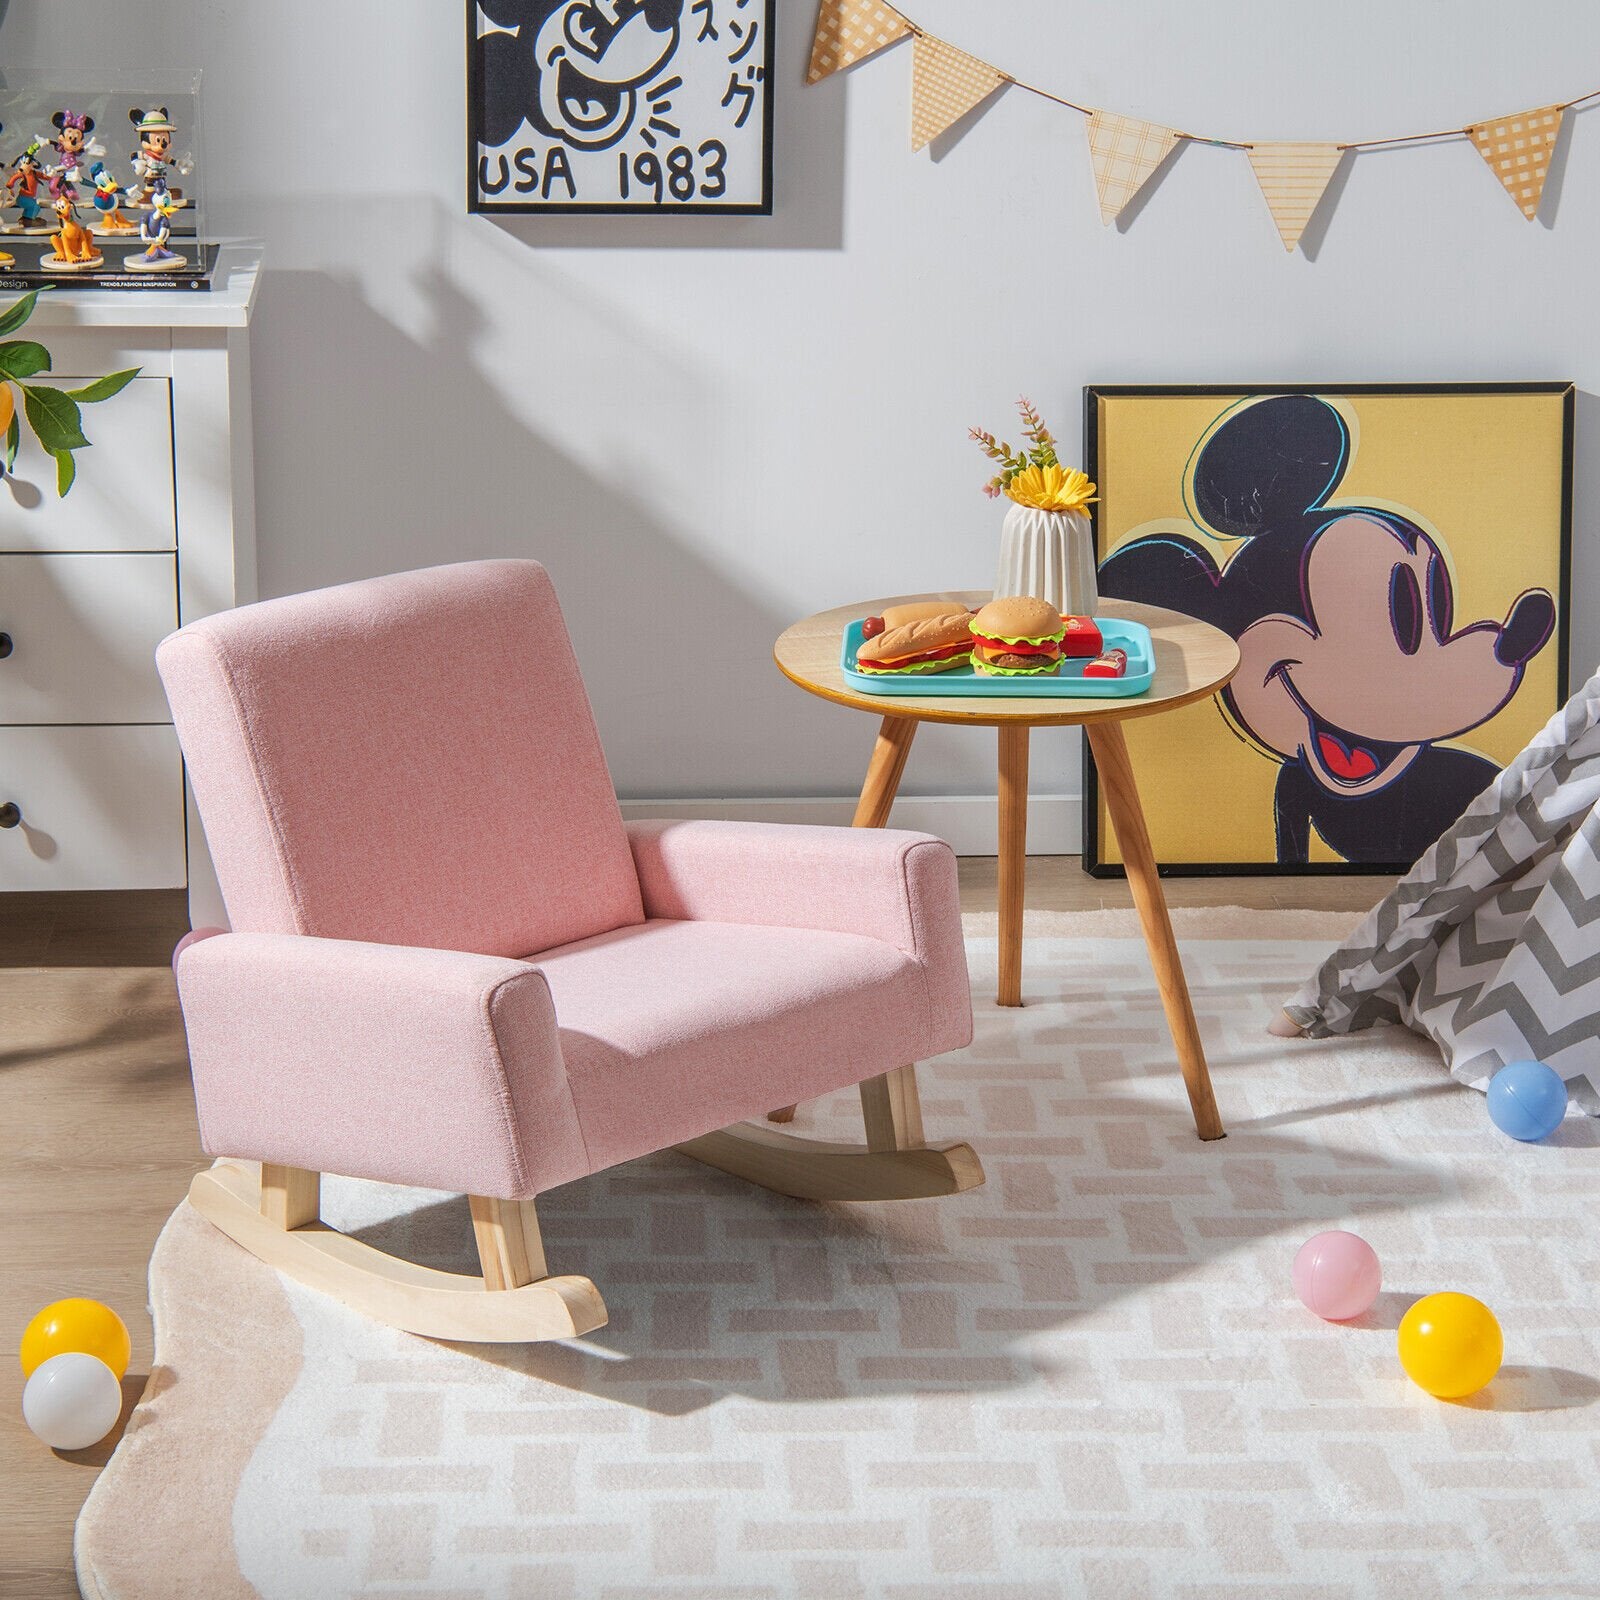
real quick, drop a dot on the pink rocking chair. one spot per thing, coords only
(453, 966)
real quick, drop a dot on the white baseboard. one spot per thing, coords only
(968, 821)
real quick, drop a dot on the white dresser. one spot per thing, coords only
(159, 529)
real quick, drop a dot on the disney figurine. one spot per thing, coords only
(156, 233)
(153, 159)
(71, 145)
(6, 260)
(24, 184)
(107, 200)
(75, 249)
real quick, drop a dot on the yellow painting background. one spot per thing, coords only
(1482, 473)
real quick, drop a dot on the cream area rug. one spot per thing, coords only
(1088, 1378)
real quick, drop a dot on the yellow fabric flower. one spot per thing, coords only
(1052, 488)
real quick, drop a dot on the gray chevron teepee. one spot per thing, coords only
(1490, 945)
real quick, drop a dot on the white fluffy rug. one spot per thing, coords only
(1089, 1377)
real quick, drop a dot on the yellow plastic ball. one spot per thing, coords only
(82, 1327)
(1450, 1345)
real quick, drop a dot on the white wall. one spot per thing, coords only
(708, 427)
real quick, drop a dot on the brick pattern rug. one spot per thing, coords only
(1087, 1378)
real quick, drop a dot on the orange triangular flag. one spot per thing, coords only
(1293, 179)
(946, 84)
(849, 31)
(1125, 152)
(1518, 150)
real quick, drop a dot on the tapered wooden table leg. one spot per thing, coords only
(1127, 817)
(1013, 857)
(884, 771)
(877, 801)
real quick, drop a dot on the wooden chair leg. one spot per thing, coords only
(291, 1197)
(892, 1110)
(509, 1247)
(274, 1216)
(896, 1163)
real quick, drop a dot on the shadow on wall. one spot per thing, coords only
(379, 451)
(807, 179)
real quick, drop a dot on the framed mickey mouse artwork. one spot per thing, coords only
(1393, 563)
(619, 106)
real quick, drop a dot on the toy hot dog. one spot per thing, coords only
(925, 636)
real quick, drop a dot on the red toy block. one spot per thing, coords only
(1083, 639)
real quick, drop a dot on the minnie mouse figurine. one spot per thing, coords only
(71, 145)
(1357, 677)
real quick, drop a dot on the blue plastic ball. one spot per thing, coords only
(1527, 1100)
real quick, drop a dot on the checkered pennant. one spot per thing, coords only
(1293, 179)
(1125, 152)
(1518, 150)
(946, 84)
(849, 31)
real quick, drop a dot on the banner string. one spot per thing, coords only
(1240, 144)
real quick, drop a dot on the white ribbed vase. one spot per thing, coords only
(1049, 555)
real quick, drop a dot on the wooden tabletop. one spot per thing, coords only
(1193, 660)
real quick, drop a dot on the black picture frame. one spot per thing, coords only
(1093, 393)
(757, 149)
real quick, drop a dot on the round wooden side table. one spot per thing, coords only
(1193, 661)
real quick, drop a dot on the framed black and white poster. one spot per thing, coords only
(620, 106)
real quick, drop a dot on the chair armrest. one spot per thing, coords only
(425, 1067)
(885, 884)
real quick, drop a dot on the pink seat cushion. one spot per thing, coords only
(410, 761)
(676, 1028)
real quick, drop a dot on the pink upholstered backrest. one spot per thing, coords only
(410, 760)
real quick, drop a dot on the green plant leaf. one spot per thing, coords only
(54, 416)
(102, 388)
(22, 358)
(17, 313)
(13, 440)
(66, 471)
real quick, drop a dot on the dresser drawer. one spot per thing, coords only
(124, 497)
(102, 808)
(83, 632)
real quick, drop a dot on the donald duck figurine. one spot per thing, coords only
(155, 231)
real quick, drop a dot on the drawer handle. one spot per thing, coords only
(5, 645)
(10, 815)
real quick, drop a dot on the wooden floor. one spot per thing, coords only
(99, 1142)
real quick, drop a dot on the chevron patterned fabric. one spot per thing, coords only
(1089, 1378)
(1490, 945)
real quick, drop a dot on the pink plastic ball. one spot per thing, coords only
(194, 936)
(1337, 1275)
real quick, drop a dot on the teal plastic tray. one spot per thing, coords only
(1133, 637)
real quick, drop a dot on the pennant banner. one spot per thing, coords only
(1125, 152)
(849, 31)
(946, 84)
(1293, 179)
(1518, 150)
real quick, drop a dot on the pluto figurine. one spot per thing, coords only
(75, 249)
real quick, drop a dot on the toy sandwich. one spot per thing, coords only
(925, 636)
(1018, 637)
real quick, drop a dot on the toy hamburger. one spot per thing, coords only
(924, 636)
(1017, 637)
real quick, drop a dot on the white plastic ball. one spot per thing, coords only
(72, 1401)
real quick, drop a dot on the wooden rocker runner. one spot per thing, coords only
(454, 967)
